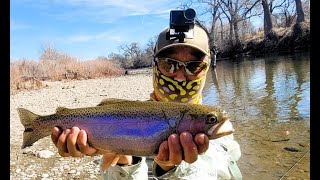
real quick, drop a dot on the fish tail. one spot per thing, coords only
(31, 134)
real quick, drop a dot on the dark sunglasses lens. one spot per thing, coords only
(197, 66)
(167, 64)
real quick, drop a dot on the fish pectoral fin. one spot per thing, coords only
(109, 101)
(61, 109)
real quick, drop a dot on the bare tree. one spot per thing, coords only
(267, 18)
(237, 11)
(211, 7)
(133, 56)
(246, 29)
(306, 9)
(148, 55)
(229, 17)
(300, 13)
(220, 33)
(132, 53)
(285, 11)
(150, 46)
(221, 26)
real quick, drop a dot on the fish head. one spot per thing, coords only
(218, 124)
(214, 124)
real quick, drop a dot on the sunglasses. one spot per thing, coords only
(172, 65)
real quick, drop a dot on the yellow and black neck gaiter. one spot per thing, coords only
(169, 90)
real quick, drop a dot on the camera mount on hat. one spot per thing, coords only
(181, 24)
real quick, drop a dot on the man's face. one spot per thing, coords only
(184, 54)
(179, 75)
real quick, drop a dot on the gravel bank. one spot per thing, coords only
(42, 161)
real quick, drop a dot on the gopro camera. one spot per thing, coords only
(182, 20)
(181, 24)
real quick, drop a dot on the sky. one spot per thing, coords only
(84, 29)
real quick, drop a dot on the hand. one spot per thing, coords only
(110, 159)
(178, 148)
(72, 142)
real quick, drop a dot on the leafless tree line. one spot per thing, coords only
(229, 22)
(133, 56)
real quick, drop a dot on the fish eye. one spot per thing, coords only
(211, 119)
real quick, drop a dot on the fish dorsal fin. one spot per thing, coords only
(61, 109)
(110, 101)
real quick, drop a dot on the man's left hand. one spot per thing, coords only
(178, 148)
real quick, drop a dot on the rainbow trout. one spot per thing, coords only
(127, 127)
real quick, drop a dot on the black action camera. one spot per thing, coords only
(181, 22)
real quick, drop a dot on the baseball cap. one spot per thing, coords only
(199, 41)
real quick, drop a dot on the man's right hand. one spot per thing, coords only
(73, 142)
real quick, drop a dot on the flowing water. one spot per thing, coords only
(269, 101)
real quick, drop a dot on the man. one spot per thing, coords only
(179, 73)
(214, 56)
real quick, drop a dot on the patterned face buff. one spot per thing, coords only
(168, 90)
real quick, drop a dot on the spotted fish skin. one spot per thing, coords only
(126, 127)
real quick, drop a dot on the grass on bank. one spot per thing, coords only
(28, 74)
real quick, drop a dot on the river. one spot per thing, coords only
(268, 99)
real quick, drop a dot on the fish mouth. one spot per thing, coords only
(221, 129)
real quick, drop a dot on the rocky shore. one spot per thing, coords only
(42, 161)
